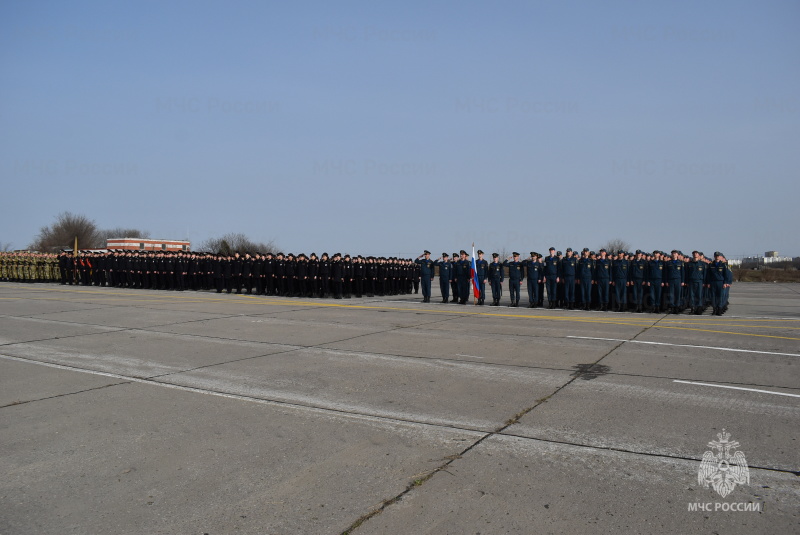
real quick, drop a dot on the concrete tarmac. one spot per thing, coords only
(136, 411)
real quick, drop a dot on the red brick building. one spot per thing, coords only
(147, 244)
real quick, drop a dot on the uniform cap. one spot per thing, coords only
(445, 254)
(533, 253)
(515, 253)
(559, 253)
(463, 251)
(426, 252)
(552, 249)
(495, 255)
(603, 250)
(480, 252)
(717, 253)
(569, 249)
(585, 249)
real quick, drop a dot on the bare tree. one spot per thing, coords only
(615, 245)
(236, 241)
(5, 246)
(122, 232)
(61, 234)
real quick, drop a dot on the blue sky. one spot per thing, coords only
(387, 129)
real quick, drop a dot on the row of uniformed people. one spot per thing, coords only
(26, 266)
(626, 281)
(265, 274)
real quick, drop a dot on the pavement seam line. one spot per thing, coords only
(642, 453)
(18, 403)
(508, 423)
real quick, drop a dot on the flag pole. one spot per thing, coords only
(472, 279)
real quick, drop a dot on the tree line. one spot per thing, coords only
(62, 232)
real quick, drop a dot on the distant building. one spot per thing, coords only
(771, 254)
(147, 244)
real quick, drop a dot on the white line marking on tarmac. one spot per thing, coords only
(470, 356)
(738, 388)
(686, 345)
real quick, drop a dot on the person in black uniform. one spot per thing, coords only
(454, 281)
(372, 276)
(324, 275)
(246, 277)
(289, 275)
(302, 275)
(359, 275)
(427, 271)
(256, 272)
(337, 276)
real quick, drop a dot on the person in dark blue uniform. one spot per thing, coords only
(695, 279)
(533, 272)
(463, 276)
(637, 272)
(585, 274)
(551, 277)
(602, 274)
(454, 281)
(655, 280)
(569, 266)
(718, 278)
(482, 271)
(496, 274)
(619, 280)
(427, 269)
(674, 280)
(515, 272)
(445, 276)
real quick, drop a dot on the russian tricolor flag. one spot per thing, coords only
(476, 285)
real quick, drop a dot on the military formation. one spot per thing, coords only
(25, 266)
(619, 281)
(337, 276)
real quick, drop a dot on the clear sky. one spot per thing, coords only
(387, 128)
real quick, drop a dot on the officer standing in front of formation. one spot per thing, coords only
(445, 276)
(496, 273)
(551, 278)
(533, 273)
(427, 270)
(515, 273)
(481, 272)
